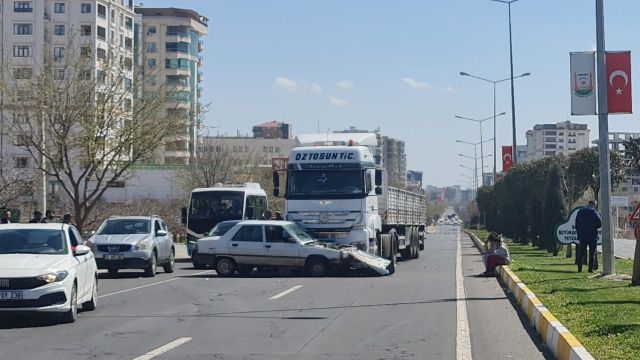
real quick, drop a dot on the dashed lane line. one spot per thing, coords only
(163, 349)
(286, 292)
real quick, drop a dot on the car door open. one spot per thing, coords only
(281, 248)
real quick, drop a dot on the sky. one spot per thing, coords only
(394, 65)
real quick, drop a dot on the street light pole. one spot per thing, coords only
(513, 96)
(608, 261)
(481, 141)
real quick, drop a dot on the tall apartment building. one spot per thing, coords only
(38, 34)
(168, 49)
(554, 139)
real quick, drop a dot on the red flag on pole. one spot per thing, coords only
(619, 82)
(507, 158)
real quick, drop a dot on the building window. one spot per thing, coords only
(21, 119)
(22, 51)
(22, 29)
(151, 30)
(85, 8)
(22, 73)
(85, 30)
(101, 76)
(101, 53)
(128, 23)
(151, 80)
(58, 30)
(177, 64)
(112, 36)
(58, 53)
(58, 74)
(177, 47)
(128, 83)
(151, 47)
(22, 6)
(113, 16)
(151, 63)
(128, 43)
(116, 184)
(102, 33)
(20, 162)
(85, 74)
(58, 8)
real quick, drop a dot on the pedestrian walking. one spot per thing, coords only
(6, 217)
(37, 217)
(48, 216)
(587, 224)
(496, 255)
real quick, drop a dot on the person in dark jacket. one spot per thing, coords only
(48, 217)
(6, 217)
(587, 224)
(37, 217)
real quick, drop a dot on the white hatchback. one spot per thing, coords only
(46, 268)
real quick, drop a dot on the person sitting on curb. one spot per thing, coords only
(496, 255)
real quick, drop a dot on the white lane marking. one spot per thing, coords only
(286, 292)
(148, 285)
(463, 339)
(164, 348)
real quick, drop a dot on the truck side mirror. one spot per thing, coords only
(378, 190)
(184, 216)
(378, 178)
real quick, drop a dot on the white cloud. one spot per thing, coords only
(287, 84)
(337, 101)
(345, 85)
(423, 85)
(315, 88)
(416, 84)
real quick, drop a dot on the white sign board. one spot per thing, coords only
(620, 201)
(583, 80)
(566, 232)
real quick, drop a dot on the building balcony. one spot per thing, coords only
(200, 61)
(200, 76)
(200, 46)
(177, 38)
(177, 71)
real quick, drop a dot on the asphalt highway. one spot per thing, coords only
(193, 314)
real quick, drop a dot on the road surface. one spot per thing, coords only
(424, 311)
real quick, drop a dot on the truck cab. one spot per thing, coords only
(332, 189)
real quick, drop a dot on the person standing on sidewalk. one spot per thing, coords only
(587, 224)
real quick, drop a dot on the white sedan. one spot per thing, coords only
(46, 268)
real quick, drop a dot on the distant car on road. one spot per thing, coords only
(46, 268)
(134, 242)
(270, 243)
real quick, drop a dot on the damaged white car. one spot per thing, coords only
(279, 244)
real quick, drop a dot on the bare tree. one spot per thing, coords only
(14, 183)
(86, 118)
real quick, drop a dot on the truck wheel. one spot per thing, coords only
(414, 242)
(316, 267)
(386, 246)
(225, 267)
(393, 240)
(417, 244)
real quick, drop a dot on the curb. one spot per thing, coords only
(558, 339)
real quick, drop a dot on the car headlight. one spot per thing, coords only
(53, 277)
(142, 245)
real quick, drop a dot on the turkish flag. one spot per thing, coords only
(619, 82)
(507, 158)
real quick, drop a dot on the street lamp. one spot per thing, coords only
(475, 153)
(494, 135)
(513, 121)
(513, 96)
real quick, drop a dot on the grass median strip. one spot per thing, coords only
(603, 315)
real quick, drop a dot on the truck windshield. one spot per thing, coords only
(208, 208)
(323, 184)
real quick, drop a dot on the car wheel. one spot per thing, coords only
(112, 271)
(71, 315)
(150, 270)
(316, 267)
(225, 267)
(93, 303)
(245, 270)
(171, 265)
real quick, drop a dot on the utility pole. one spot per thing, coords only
(513, 96)
(608, 261)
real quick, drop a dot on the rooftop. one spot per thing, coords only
(175, 12)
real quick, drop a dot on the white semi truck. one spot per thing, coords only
(337, 193)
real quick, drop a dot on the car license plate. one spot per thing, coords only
(113, 256)
(10, 295)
